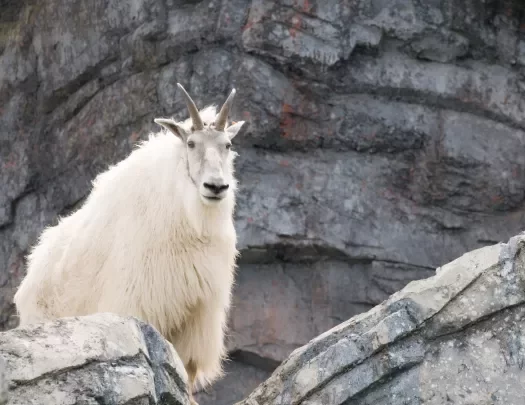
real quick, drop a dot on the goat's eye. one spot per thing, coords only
(191, 144)
(228, 145)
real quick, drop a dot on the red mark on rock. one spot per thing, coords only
(287, 108)
(133, 137)
(296, 25)
(249, 220)
(287, 121)
(286, 124)
(249, 24)
(17, 266)
(284, 163)
(10, 164)
(388, 194)
(307, 7)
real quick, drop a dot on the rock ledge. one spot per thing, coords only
(455, 338)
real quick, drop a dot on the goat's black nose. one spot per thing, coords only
(215, 188)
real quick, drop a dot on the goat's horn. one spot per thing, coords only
(220, 121)
(192, 108)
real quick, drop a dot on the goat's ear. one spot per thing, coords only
(172, 126)
(232, 130)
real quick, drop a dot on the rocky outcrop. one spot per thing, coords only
(455, 338)
(384, 137)
(101, 359)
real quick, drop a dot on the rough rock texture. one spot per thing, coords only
(96, 359)
(3, 383)
(240, 379)
(385, 137)
(455, 338)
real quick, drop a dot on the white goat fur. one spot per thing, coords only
(129, 248)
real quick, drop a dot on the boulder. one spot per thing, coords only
(96, 359)
(457, 337)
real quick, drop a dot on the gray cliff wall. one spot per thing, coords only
(385, 137)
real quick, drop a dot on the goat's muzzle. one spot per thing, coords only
(215, 191)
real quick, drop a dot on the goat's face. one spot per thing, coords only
(207, 148)
(209, 159)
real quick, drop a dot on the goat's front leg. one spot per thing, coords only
(201, 346)
(191, 370)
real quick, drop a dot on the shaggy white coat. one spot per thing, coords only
(143, 244)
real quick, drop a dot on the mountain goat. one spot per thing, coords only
(155, 239)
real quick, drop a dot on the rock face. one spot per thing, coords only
(455, 338)
(384, 137)
(239, 380)
(96, 359)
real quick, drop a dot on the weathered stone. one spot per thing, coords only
(239, 379)
(521, 53)
(365, 36)
(3, 383)
(456, 337)
(293, 303)
(295, 30)
(398, 18)
(507, 38)
(441, 46)
(488, 88)
(99, 358)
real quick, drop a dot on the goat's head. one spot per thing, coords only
(207, 149)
